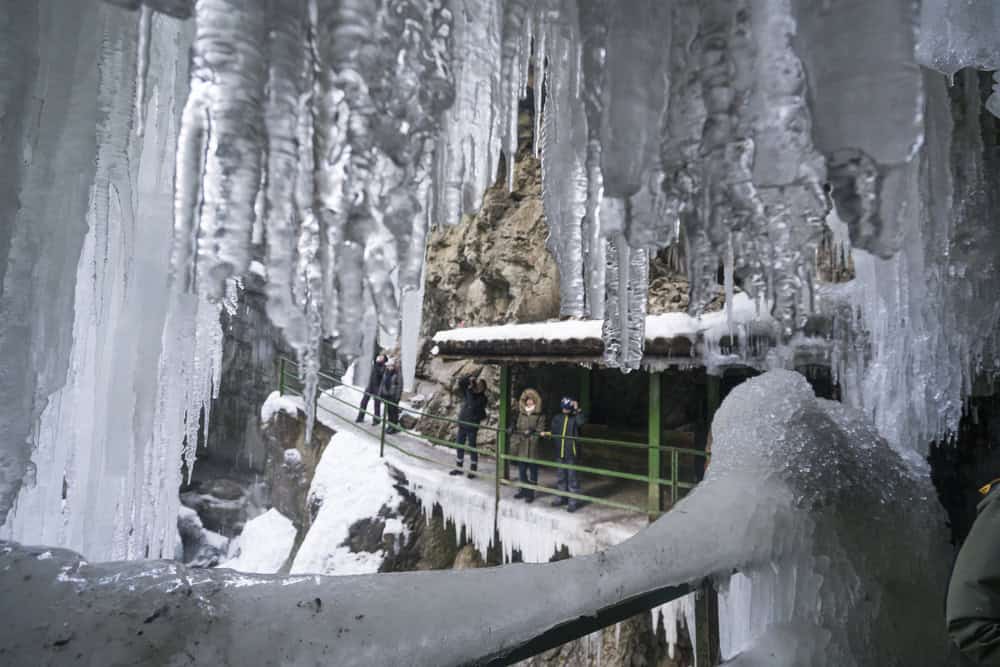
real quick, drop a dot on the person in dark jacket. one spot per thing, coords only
(390, 391)
(973, 607)
(525, 439)
(473, 411)
(565, 427)
(372, 390)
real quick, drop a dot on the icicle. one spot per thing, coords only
(564, 184)
(513, 55)
(142, 68)
(218, 164)
(469, 147)
(593, 37)
(539, 70)
(286, 118)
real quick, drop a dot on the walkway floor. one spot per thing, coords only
(536, 530)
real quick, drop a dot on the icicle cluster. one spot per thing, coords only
(327, 112)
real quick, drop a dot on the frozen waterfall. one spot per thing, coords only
(148, 155)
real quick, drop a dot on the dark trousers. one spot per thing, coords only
(392, 413)
(527, 473)
(567, 479)
(467, 436)
(378, 404)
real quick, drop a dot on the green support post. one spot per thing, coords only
(654, 445)
(281, 376)
(504, 418)
(501, 439)
(706, 601)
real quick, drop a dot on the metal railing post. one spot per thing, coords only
(281, 376)
(381, 437)
(674, 462)
(653, 463)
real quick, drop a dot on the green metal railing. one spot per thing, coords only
(290, 382)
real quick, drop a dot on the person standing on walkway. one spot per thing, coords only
(565, 429)
(525, 440)
(391, 390)
(973, 604)
(473, 411)
(372, 390)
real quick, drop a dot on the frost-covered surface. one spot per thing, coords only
(795, 492)
(199, 546)
(84, 297)
(742, 320)
(264, 545)
(351, 483)
(276, 402)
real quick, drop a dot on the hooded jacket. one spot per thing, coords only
(525, 439)
(973, 609)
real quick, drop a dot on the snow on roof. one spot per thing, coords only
(658, 327)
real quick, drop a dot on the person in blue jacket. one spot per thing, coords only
(565, 429)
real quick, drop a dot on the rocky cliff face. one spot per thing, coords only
(432, 543)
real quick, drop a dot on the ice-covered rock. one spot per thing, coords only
(264, 545)
(840, 537)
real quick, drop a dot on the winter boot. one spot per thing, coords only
(521, 493)
(360, 418)
(529, 496)
(573, 506)
(560, 501)
(455, 471)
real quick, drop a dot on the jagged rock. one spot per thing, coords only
(290, 464)
(224, 499)
(467, 558)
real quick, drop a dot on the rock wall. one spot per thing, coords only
(432, 543)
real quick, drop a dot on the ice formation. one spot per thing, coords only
(334, 131)
(351, 483)
(264, 545)
(820, 480)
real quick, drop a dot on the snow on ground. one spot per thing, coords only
(264, 544)
(276, 403)
(351, 483)
(358, 483)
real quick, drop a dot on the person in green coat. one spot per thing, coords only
(973, 607)
(525, 439)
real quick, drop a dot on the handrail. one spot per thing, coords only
(673, 483)
(480, 426)
(411, 410)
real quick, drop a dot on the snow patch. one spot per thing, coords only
(264, 544)
(276, 403)
(351, 483)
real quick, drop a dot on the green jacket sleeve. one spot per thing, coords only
(973, 608)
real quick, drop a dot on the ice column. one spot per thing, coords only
(104, 482)
(468, 151)
(563, 151)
